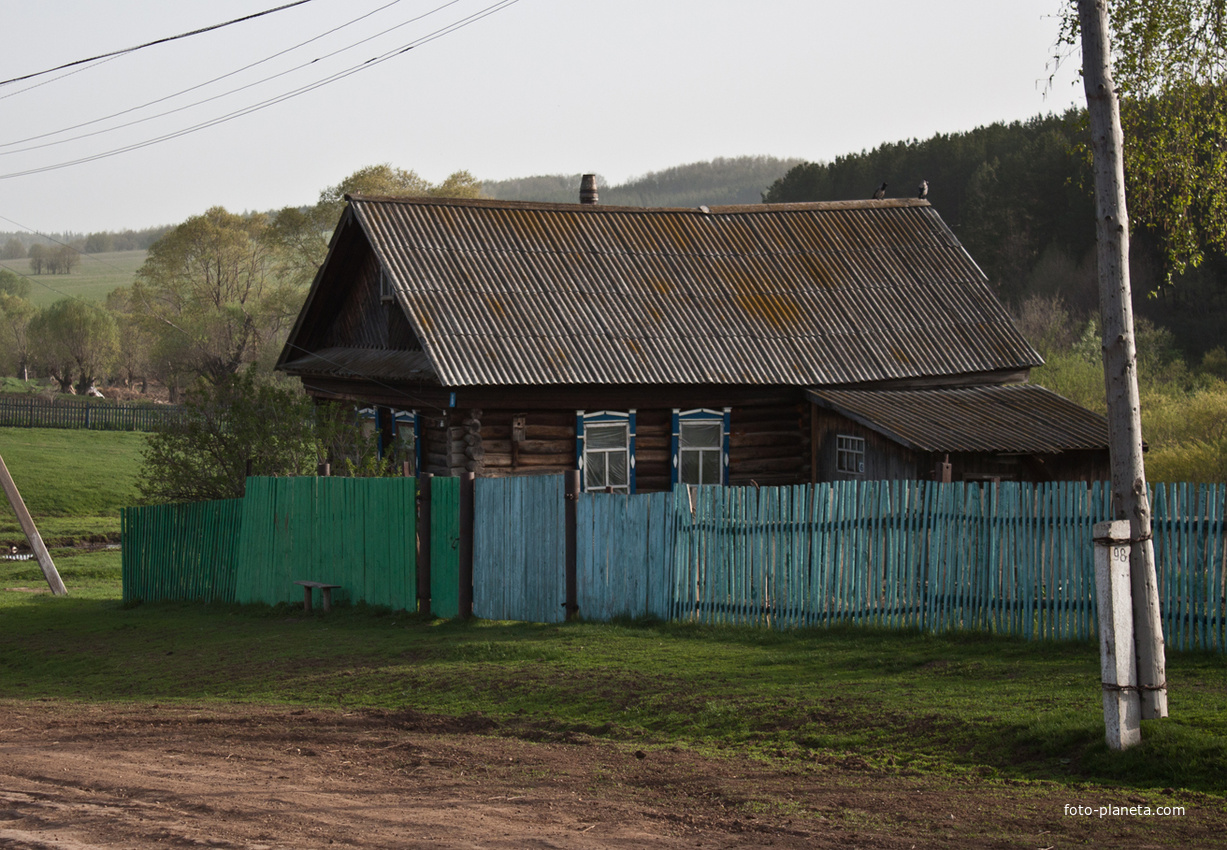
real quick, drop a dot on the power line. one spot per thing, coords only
(217, 79)
(153, 43)
(214, 80)
(339, 75)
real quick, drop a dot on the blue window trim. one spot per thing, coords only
(699, 414)
(602, 416)
(410, 418)
(399, 419)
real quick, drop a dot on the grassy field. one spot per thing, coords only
(92, 279)
(950, 705)
(74, 482)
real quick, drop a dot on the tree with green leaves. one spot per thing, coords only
(134, 363)
(16, 311)
(300, 235)
(257, 417)
(209, 293)
(225, 423)
(75, 342)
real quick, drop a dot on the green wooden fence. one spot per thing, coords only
(445, 547)
(359, 533)
(32, 412)
(181, 552)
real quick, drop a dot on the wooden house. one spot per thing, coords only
(774, 344)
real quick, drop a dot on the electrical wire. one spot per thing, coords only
(339, 75)
(190, 89)
(170, 38)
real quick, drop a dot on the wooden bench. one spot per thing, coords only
(325, 594)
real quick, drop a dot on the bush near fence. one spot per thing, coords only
(1004, 558)
(96, 415)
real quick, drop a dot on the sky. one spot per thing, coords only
(500, 88)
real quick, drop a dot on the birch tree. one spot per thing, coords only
(1171, 56)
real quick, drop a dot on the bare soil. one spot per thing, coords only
(83, 776)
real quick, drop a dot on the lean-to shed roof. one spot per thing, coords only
(1013, 418)
(503, 293)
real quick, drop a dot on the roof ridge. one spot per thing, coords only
(730, 209)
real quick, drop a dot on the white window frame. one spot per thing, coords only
(849, 454)
(585, 420)
(705, 416)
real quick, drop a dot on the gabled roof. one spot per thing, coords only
(1016, 418)
(504, 293)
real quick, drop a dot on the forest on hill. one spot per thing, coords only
(721, 181)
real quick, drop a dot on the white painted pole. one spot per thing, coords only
(27, 525)
(1122, 707)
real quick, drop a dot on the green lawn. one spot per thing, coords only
(94, 277)
(953, 705)
(73, 481)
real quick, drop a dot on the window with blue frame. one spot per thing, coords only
(406, 435)
(605, 449)
(701, 446)
(406, 440)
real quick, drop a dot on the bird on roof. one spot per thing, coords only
(880, 192)
(923, 191)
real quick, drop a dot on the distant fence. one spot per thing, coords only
(32, 412)
(1004, 558)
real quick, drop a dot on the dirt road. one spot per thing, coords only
(74, 777)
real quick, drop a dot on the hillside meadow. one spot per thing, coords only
(93, 279)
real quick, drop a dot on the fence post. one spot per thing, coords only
(424, 543)
(571, 505)
(324, 470)
(467, 480)
(1122, 709)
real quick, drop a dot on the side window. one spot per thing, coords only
(849, 454)
(605, 449)
(700, 446)
(406, 444)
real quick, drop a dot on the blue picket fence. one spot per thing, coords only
(1003, 558)
(623, 551)
(519, 549)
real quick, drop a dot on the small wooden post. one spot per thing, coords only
(1122, 708)
(467, 480)
(423, 542)
(31, 531)
(942, 472)
(571, 511)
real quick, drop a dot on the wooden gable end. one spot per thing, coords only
(352, 309)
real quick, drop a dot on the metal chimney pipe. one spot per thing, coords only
(587, 189)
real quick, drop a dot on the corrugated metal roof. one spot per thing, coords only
(1020, 418)
(504, 293)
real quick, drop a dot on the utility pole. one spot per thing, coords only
(1129, 495)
